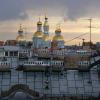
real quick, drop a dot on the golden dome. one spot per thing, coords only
(39, 23)
(38, 34)
(20, 38)
(20, 29)
(45, 37)
(46, 24)
(58, 30)
(58, 38)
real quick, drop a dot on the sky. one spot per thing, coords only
(72, 16)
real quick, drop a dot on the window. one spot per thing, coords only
(6, 53)
(11, 53)
(16, 53)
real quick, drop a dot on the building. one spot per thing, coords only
(44, 68)
(98, 46)
(78, 59)
(1, 52)
(37, 37)
(58, 40)
(1, 43)
(46, 36)
(11, 42)
(20, 38)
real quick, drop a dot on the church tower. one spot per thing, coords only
(46, 39)
(58, 39)
(20, 38)
(37, 37)
(46, 26)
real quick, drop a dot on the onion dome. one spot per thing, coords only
(45, 37)
(58, 38)
(39, 23)
(58, 30)
(38, 34)
(20, 38)
(20, 29)
(46, 21)
(46, 17)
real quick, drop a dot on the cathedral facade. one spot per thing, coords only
(41, 38)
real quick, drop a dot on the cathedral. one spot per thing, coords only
(20, 38)
(41, 38)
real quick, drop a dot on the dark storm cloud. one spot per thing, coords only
(73, 9)
(11, 9)
(83, 8)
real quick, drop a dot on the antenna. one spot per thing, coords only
(90, 20)
(90, 28)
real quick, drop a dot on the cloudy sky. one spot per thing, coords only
(72, 15)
